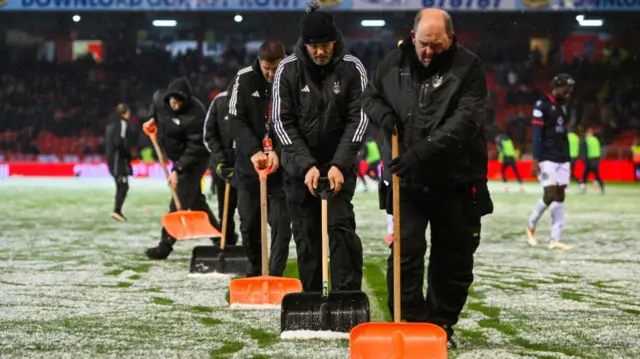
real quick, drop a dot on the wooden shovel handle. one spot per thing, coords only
(225, 214)
(397, 296)
(262, 175)
(152, 131)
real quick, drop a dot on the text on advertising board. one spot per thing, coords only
(462, 4)
(165, 4)
(607, 4)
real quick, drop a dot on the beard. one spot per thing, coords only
(321, 61)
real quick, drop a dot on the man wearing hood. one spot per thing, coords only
(320, 123)
(433, 91)
(118, 154)
(179, 117)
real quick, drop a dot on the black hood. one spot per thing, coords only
(181, 88)
(440, 63)
(338, 53)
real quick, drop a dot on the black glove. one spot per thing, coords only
(388, 123)
(405, 163)
(223, 171)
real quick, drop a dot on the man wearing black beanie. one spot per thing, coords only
(320, 124)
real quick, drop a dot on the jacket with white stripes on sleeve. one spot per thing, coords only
(249, 96)
(217, 134)
(316, 111)
(118, 142)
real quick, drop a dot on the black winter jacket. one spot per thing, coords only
(317, 113)
(217, 133)
(438, 110)
(180, 133)
(118, 146)
(249, 97)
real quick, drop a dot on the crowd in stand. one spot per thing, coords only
(63, 107)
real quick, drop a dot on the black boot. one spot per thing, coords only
(162, 251)
(451, 344)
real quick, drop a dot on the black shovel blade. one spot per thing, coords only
(340, 312)
(208, 259)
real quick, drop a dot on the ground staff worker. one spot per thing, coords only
(179, 117)
(249, 116)
(574, 153)
(320, 123)
(508, 156)
(635, 158)
(118, 153)
(218, 140)
(592, 155)
(434, 91)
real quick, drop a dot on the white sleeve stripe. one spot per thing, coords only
(123, 128)
(275, 114)
(233, 101)
(364, 121)
(206, 120)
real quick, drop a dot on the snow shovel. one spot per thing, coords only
(397, 340)
(327, 315)
(180, 224)
(225, 259)
(265, 291)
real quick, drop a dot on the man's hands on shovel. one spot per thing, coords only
(149, 127)
(334, 179)
(173, 179)
(263, 160)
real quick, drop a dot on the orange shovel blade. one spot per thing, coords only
(398, 341)
(263, 290)
(189, 225)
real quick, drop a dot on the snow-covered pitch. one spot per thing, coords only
(75, 284)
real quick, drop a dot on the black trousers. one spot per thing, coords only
(573, 170)
(220, 184)
(189, 192)
(250, 227)
(345, 247)
(455, 236)
(509, 162)
(592, 166)
(122, 187)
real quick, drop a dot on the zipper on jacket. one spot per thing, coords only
(324, 112)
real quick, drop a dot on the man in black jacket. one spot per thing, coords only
(218, 139)
(249, 114)
(434, 91)
(118, 153)
(179, 118)
(320, 123)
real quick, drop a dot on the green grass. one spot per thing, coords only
(80, 286)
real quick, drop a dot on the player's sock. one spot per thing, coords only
(537, 213)
(121, 195)
(557, 220)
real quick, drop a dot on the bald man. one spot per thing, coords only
(433, 90)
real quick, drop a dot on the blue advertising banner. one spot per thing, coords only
(167, 5)
(579, 5)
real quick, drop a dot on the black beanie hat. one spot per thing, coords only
(317, 26)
